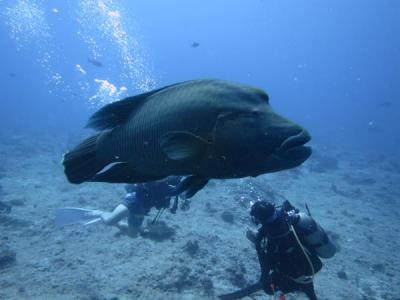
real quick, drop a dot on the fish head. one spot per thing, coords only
(261, 141)
(283, 144)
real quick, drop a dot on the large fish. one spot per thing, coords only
(202, 128)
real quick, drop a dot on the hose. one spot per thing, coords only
(160, 211)
(304, 252)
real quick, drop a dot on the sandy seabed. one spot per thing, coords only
(198, 253)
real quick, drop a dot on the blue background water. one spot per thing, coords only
(332, 66)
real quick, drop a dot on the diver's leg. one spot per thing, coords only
(132, 228)
(285, 285)
(278, 284)
(122, 225)
(308, 289)
(112, 218)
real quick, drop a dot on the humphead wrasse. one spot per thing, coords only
(203, 129)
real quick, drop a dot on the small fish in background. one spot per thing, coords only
(386, 104)
(95, 62)
(372, 127)
(80, 69)
(12, 74)
(195, 45)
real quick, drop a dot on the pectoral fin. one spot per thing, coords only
(189, 186)
(182, 145)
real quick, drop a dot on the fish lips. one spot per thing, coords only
(293, 149)
(294, 142)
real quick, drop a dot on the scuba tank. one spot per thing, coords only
(315, 238)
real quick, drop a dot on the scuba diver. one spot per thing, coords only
(139, 200)
(289, 246)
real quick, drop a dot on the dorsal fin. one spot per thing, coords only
(117, 113)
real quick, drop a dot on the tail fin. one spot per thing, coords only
(80, 164)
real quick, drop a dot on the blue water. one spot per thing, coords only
(332, 66)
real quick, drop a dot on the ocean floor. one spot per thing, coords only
(198, 253)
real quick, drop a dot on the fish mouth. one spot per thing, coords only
(295, 141)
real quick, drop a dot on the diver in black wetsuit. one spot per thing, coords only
(289, 246)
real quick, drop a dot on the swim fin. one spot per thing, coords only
(75, 215)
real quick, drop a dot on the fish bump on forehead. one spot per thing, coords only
(253, 99)
(262, 94)
(235, 91)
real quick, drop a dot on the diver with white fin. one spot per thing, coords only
(137, 203)
(289, 246)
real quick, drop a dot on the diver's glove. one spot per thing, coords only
(251, 235)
